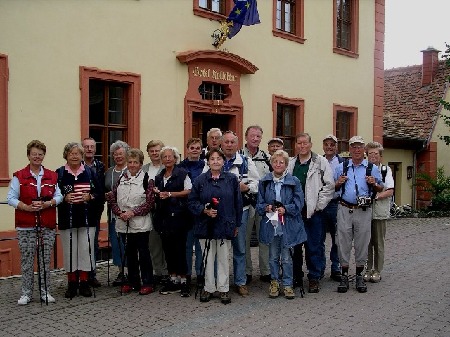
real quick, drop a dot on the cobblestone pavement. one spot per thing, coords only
(412, 299)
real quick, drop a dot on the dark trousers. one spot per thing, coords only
(174, 246)
(138, 258)
(329, 216)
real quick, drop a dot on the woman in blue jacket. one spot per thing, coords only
(216, 202)
(280, 200)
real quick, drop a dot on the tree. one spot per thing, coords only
(444, 103)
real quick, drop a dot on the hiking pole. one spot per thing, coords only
(68, 189)
(109, 249)
(89, 241)
(40, 243)
(38, 225)
(203, 266)
(125, 244)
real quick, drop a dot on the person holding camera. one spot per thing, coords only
(34, 193)
(280, 200)
(216, 202)
(357, 180)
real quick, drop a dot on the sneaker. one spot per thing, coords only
(119, 280)
(145, 290)
(242, 290)
(94, 283)
(289, 293)
(274, 289)
(368, 275)
(205, 296)
(24, 300)
(225, 298)
(185, 290)
(249, 279)
(375, 278)
(360, 284)
(165, 279)
(170, 288)
(336, 275)
(126, 288)
(313, 286)
(343, 286)
(49, 298)
(265, 278)
(85, 289)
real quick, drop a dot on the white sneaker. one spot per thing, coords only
(24, 300)
(49, 298)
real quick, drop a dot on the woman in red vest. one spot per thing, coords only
(34, 193)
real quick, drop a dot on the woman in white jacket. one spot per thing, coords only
(131, 202)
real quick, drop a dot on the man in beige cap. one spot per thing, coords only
(356, 180)
(274, 144)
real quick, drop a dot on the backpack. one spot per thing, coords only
(368, 173)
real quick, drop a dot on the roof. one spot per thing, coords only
(410, 110)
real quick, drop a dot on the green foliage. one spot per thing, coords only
(446, 104)
(439, 188)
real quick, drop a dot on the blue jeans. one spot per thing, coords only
(315, 246)
(239, 242)
(190, 241)
(329, 216)
(117, 248)
(278, 251)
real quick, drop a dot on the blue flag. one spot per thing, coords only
(245, 12)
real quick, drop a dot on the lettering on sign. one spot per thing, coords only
(214, 74)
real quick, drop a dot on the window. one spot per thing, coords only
(288, 120)
(109, 109)
(345, 125)
(346, 20)
(212, 91)
(288, 18)
(4, 168)
(213, 9)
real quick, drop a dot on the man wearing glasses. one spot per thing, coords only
(213, 140)
(357, 181)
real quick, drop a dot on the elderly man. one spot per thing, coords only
(213, 140)
(357, 180)
(253, 136)
(381, 208)
(330, 212)
(317, 182)
(98, 168)
(246, 171)
(273, 145)
(155, 244)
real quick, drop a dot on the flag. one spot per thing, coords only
(245, 12)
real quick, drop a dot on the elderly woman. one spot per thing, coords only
(76, 219)
(118, 151)
(216, 202)
(131, 201)
(34, 193)
(280, 200)
(172, 186)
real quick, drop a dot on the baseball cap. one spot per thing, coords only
(279, 140)
(356, 139)
(330, 136)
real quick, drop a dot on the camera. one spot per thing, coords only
(363, 201)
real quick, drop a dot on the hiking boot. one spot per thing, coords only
(336, 275)
(126, 288)
(376, 277)
(170, 288)
(145, 290)
(24, 300)
(205, 296)
(360, 284)
(225, 298)
(265, 278)
(72, 290)
(185, 290)
(289, 293)
(368, 275)
(313, 286)
(274, 289)
(242, 290)
(85, 290)
(343, 286)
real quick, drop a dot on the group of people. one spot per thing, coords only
(211, 200)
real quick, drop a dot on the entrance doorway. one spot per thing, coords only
(203, 122)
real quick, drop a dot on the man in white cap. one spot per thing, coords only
(357, 180)
(330, 212)
(274, 144)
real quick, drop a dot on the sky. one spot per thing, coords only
(412, 26)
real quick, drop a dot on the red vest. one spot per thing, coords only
(28, 192)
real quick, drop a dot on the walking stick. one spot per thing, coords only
(70, 240)
(38, 227)
(109, 249)
(89, 240)
(124, 255)
(203, 266)
(40, 242)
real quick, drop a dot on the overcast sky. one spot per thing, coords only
(412, 26)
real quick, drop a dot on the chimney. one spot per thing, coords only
(430, 65)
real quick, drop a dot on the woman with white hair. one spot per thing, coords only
(172, 186)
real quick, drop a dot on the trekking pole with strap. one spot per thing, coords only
(86, 211)
(125, 244)
(40, 243)
(38, 228)
(203, 266)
